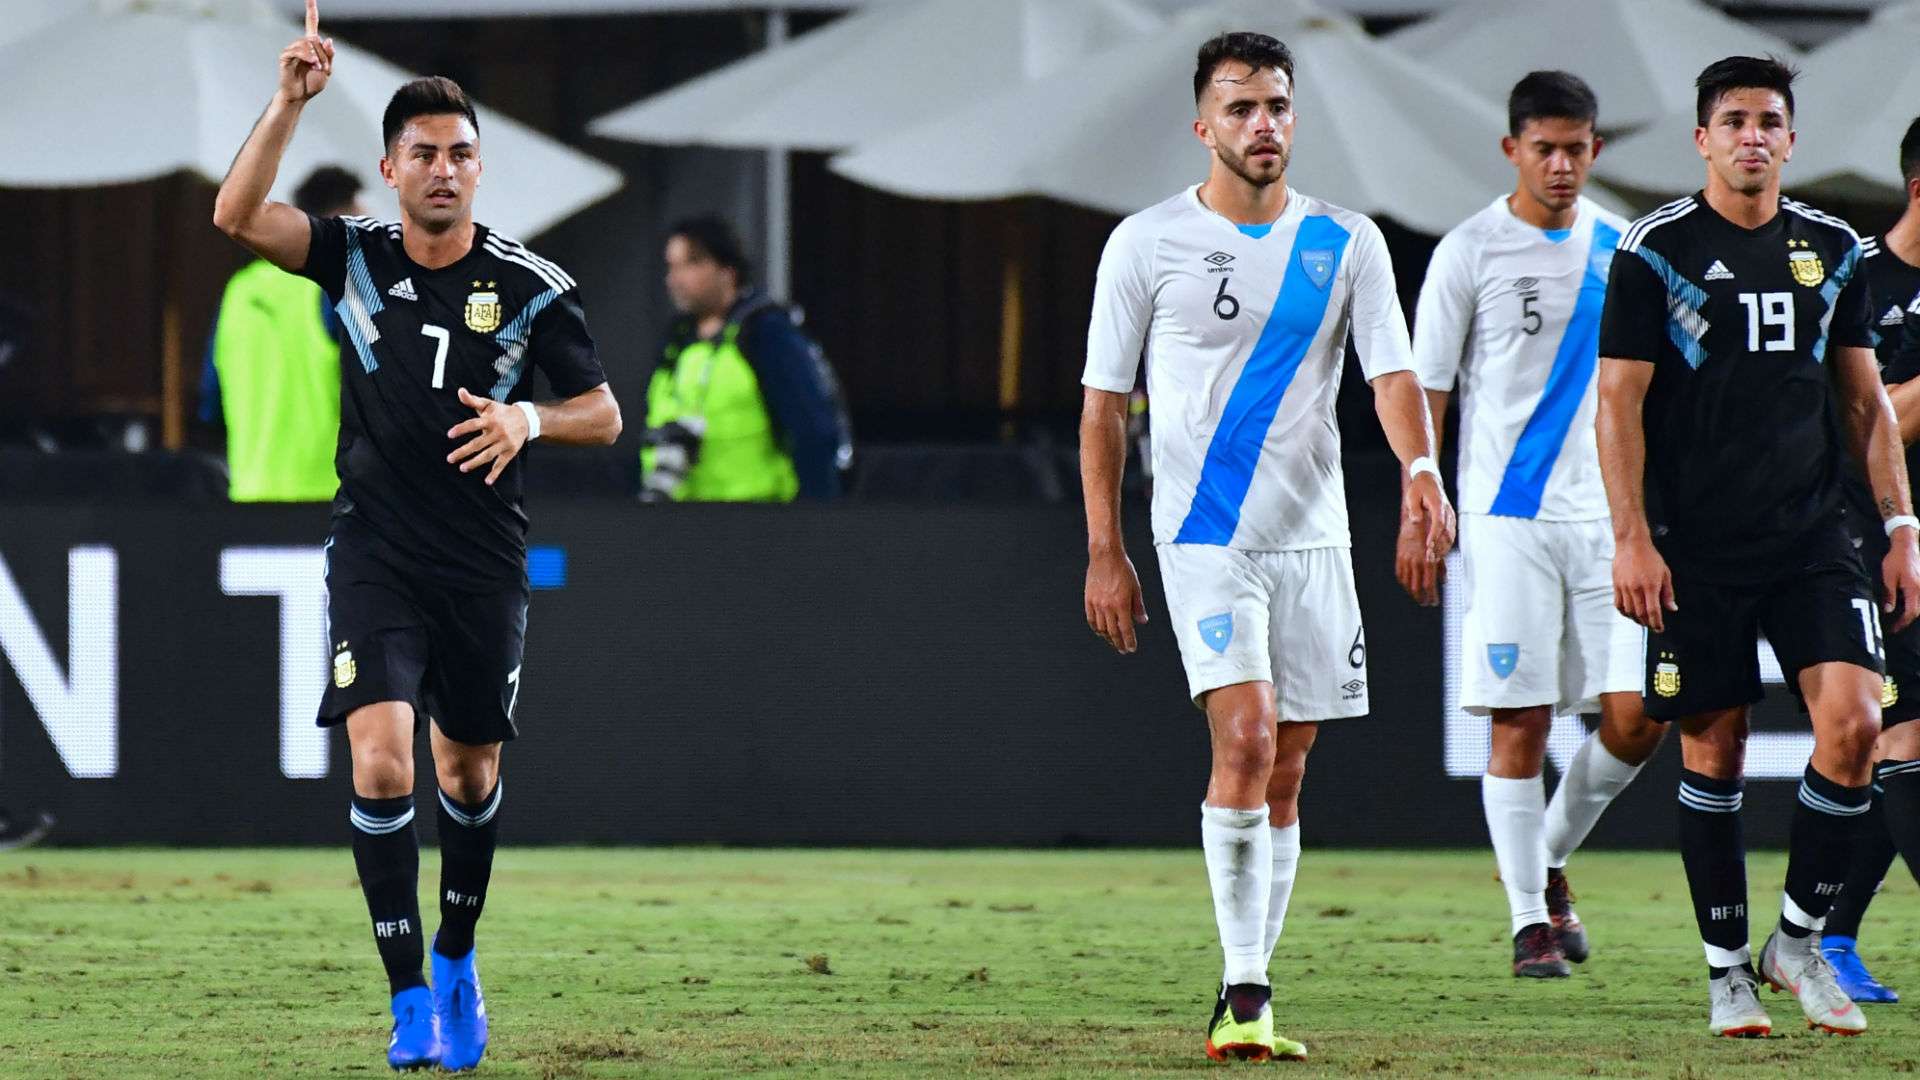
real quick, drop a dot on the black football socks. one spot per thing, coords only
(1713, 849)
(386, 851)
(1820, 849)
(468, 832)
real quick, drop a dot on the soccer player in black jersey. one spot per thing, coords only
(1892, 267)
(426, 561)
(1737, 368)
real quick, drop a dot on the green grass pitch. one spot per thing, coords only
(699, 962)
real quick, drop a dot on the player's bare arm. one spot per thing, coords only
(500, 430)
(1114, 604)
(275, 231)
(1642, 584)
(1875, 441)
(1401, 404)
(1906, 408)
(1417, 574)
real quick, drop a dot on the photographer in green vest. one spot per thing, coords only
(272, 372)
(742, 407)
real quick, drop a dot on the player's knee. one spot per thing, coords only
(467, 777)
(1853, 732)
(1244, 746)
(382, 772)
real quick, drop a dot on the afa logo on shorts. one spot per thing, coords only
(1217, 631)
(1503, 658)
(344, 669)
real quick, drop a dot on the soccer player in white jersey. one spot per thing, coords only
(1510, 311)
(1241, 293)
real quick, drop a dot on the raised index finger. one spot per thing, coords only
(313, 18)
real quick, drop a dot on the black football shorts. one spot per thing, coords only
(398, 636)
(1822, 612)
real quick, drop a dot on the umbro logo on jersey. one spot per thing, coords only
(1719, 272)
(1526, 283)
(404, 290)
(1893, 317)
(1219, 258)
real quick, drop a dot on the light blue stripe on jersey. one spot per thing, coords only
(1234, 453)
(1830, 292)
(1258, 232)
(1685, 325)
(512, 363)
(1540, 442)
(359, 303)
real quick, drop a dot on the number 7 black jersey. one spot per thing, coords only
(415, 337)
(1744, 453)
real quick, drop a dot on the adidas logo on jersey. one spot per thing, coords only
(1893, 317)
(404, 290)
(1719, 272)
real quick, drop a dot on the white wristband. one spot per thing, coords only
(1423, 464)
(533, 419)
(1902, 521)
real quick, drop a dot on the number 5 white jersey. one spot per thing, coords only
(1244, 332)
(1512, 312)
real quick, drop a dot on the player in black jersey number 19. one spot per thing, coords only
(1737, 366)
(426, 562)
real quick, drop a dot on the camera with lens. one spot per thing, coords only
(676, 448)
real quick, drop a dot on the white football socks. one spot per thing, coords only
(1239, 849)
(1286, 862)
(1594, 778)
(1516, 819)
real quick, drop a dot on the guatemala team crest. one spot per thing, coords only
(1503, 658)
(1217, 631)
(1807, 268)
(1318, 263)
(344, 669)
(483, 310)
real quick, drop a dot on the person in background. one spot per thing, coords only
(740, 408)
(272, 372)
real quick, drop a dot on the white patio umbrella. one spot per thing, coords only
(1378, 131)
(876, 71)
(1640, 56)
(177, 84)
(1854, 101)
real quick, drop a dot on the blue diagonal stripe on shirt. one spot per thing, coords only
(1540, 442)
(1234, 453)
(1830, 293)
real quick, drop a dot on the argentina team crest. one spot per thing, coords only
(1503, 658)
(1807, 268)
(1217, 631)
(1666, 676)
(1318, 264)
(344, 669)
(483, 309)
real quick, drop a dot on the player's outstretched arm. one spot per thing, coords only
(1642, 584)
(1114, 604)
(1875, 440)
(275, 231)
(500, 431)
(1401, 404)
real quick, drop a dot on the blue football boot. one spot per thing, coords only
(416, 1031)
(462, 1010)
(1858, 983)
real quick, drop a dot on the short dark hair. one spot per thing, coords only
(1257, 51)
(1910, 152)
(434, 95)
(1556, 95)
(1722, 77)
(711, 236)
(328, 189)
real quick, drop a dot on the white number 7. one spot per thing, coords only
(438, 334)
(513, 680)
(1869, 624)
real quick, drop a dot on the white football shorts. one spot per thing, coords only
(1540, 626)
(1291, 618)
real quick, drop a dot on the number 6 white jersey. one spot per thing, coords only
(1513, 312)
(1244, 332)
